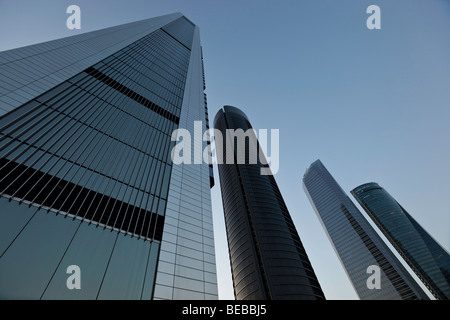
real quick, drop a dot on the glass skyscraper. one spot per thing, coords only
(268, 261)
(423, 254)
(355, 242)
(86, 172)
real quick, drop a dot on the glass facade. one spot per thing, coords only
(187, 268)
(86, 174)
(355, 242)
(268, 260)
(424, 255)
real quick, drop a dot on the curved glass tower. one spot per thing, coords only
(355, 242)
(267, 258)
(423, 254)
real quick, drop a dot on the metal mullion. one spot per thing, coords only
(44, 125)
(160, 130)
(63, 93)
(165, 73)
(116, 66)
(94, 158)
(126, 70)
(133, 188)
(138, 66)
(134, 55)
(140, 58)
(160, 56)
(40, 105)
(170, 57)
(125, 73)
(174, 51)
(111, 66)
(111, 165)
(136, 81)
(154, 135)
(27, 125)
(133, 132)
(145, 188)
(107, 90)
(178, 61)
(154, 186)
(178, 64)
(123, 63)
(136, 136)
(52, 157)
(149, 61)
(109, 178)
(72, 117)
(179, 50)
(163, 137)
(130, 63)
(73, 162)
(153, 198)
(143, 55)
(167, 146)
(38, 147)
(164, 94)
(118, 191)
(110, 146)
(56, 114)
(144, 157)
(161, 53)
(168, 158)
(161, 148)
(87, 108)
(110, 71)
(125, 81)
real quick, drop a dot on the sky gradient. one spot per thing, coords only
(372, 105)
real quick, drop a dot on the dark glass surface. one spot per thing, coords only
(98, 145)
(356, 243)
(88, 157)
(424, 255)
(268, 260)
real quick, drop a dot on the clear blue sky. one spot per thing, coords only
(373, 105)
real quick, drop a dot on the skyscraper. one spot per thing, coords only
(267, 258)
(423, 254)
(355, 242)
(86, 173)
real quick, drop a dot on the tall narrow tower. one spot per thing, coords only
(267, 258)
(359, 248)
(423, 254)
(86, 177)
